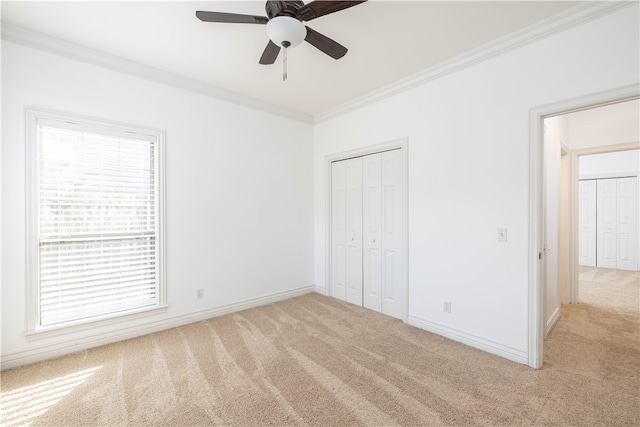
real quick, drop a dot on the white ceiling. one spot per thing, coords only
(387, 41)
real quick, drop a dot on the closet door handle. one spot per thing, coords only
(373, 240)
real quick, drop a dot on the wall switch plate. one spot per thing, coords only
(502, 234)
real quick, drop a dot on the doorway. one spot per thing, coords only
(537, 246)
(571, 233)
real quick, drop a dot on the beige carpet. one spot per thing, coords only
(314, 360)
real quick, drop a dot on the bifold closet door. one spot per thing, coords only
(346, 230)
(607, 221)
(587, 222)
(383, 261)
(367, 253)
(618, 223)
(627, 223)
(372, 231)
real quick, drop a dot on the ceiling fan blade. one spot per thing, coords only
(233, 18)
(270, 53)
(325, 44)
(319, 8)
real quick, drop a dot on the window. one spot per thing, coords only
(96, 220)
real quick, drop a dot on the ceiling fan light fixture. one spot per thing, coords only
(283, 29)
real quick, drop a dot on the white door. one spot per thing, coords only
(346, 230)
(367, 251)
(372, 239)
(627, 223)
(606, 223)
(587, 222)
(354, 230)
(337, 285)
(392, 221)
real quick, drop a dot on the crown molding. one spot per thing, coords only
(575, 16)
(16, 34)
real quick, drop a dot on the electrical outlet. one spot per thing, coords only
(200, 293)
(447, 306)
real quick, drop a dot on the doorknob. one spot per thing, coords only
(546, 248)
(352, 239)
(373, 240)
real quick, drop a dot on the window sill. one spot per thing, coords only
(93, 323)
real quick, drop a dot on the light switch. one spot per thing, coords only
(502, 234)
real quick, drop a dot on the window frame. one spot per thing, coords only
(34, 118)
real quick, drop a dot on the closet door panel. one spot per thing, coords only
(354, 230)
(627, 224)
(372, 241)
(607, 220)
(338, 280)
(587, 222)
(392, 232)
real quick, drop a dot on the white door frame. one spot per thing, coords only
(371, 149)
(536, 323)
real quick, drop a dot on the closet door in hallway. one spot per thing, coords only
(587, 222)
(627, 224)
(607, 221)
(617, 223)
(371, 272)
(616, 233)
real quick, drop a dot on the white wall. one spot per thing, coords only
(609, 125)
(239, 192)
(468, 168)
(619, 163)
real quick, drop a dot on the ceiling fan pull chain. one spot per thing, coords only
(284, 65)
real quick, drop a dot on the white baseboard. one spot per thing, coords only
(321, 290)
(514, 354)
(552, 322)
(66, 346)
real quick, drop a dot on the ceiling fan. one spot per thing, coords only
(285, 28)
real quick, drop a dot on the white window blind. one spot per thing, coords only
(97, 222)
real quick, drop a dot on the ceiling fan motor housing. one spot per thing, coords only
(282, 8)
